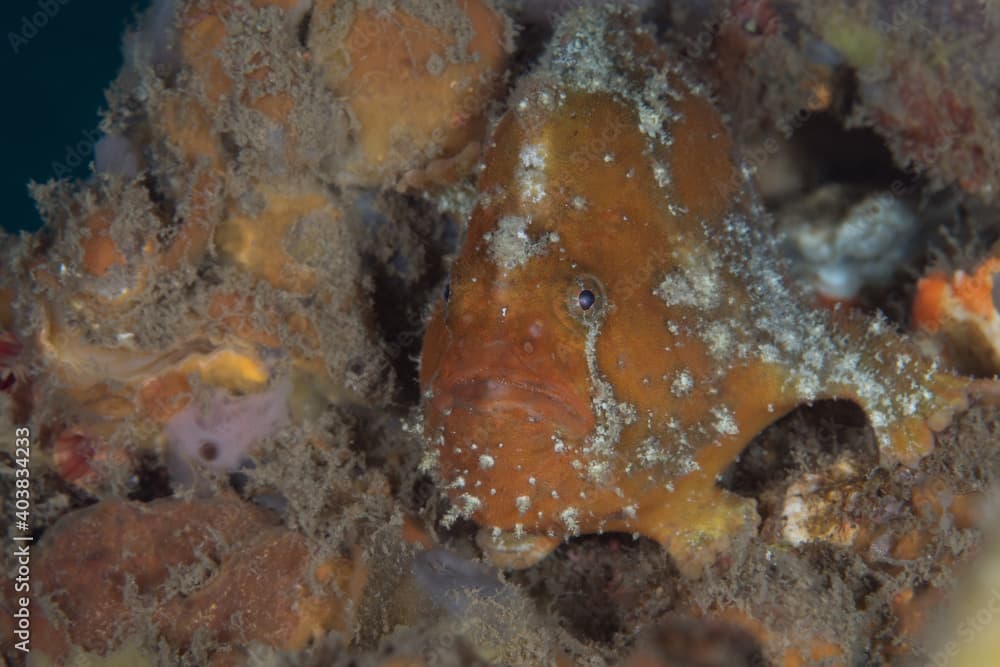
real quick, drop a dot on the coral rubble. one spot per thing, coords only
(358, 292)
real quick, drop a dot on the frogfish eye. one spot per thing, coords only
(582, 300)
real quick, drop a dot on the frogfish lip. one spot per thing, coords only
(496, 394)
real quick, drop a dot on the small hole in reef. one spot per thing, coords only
(150, 479)
(303, 29)
(208, 450)
(587, 299)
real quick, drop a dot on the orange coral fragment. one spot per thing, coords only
(163, 397)
(791, 651)
(961, 315)
(976, 291)
(928, 306)
(100, 252)
(104, 582)
(263, 242)
(417, 82)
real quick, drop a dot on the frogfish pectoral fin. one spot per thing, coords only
(905, 418)
(699, 524)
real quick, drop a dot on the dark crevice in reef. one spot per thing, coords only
(409, 269)
(807, 438)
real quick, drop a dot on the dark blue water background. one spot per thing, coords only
(58, 57)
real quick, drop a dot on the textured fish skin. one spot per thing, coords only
(613, 178)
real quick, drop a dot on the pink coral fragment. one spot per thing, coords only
(219, 433)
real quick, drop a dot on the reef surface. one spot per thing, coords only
(410, 333)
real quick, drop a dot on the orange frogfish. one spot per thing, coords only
(617, 329)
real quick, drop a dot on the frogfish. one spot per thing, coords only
(617, 327)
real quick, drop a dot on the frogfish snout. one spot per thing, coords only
(504, 396)
(503, 379)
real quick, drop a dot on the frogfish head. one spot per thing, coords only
(545, 350)
(508, 363)
(505, 367)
